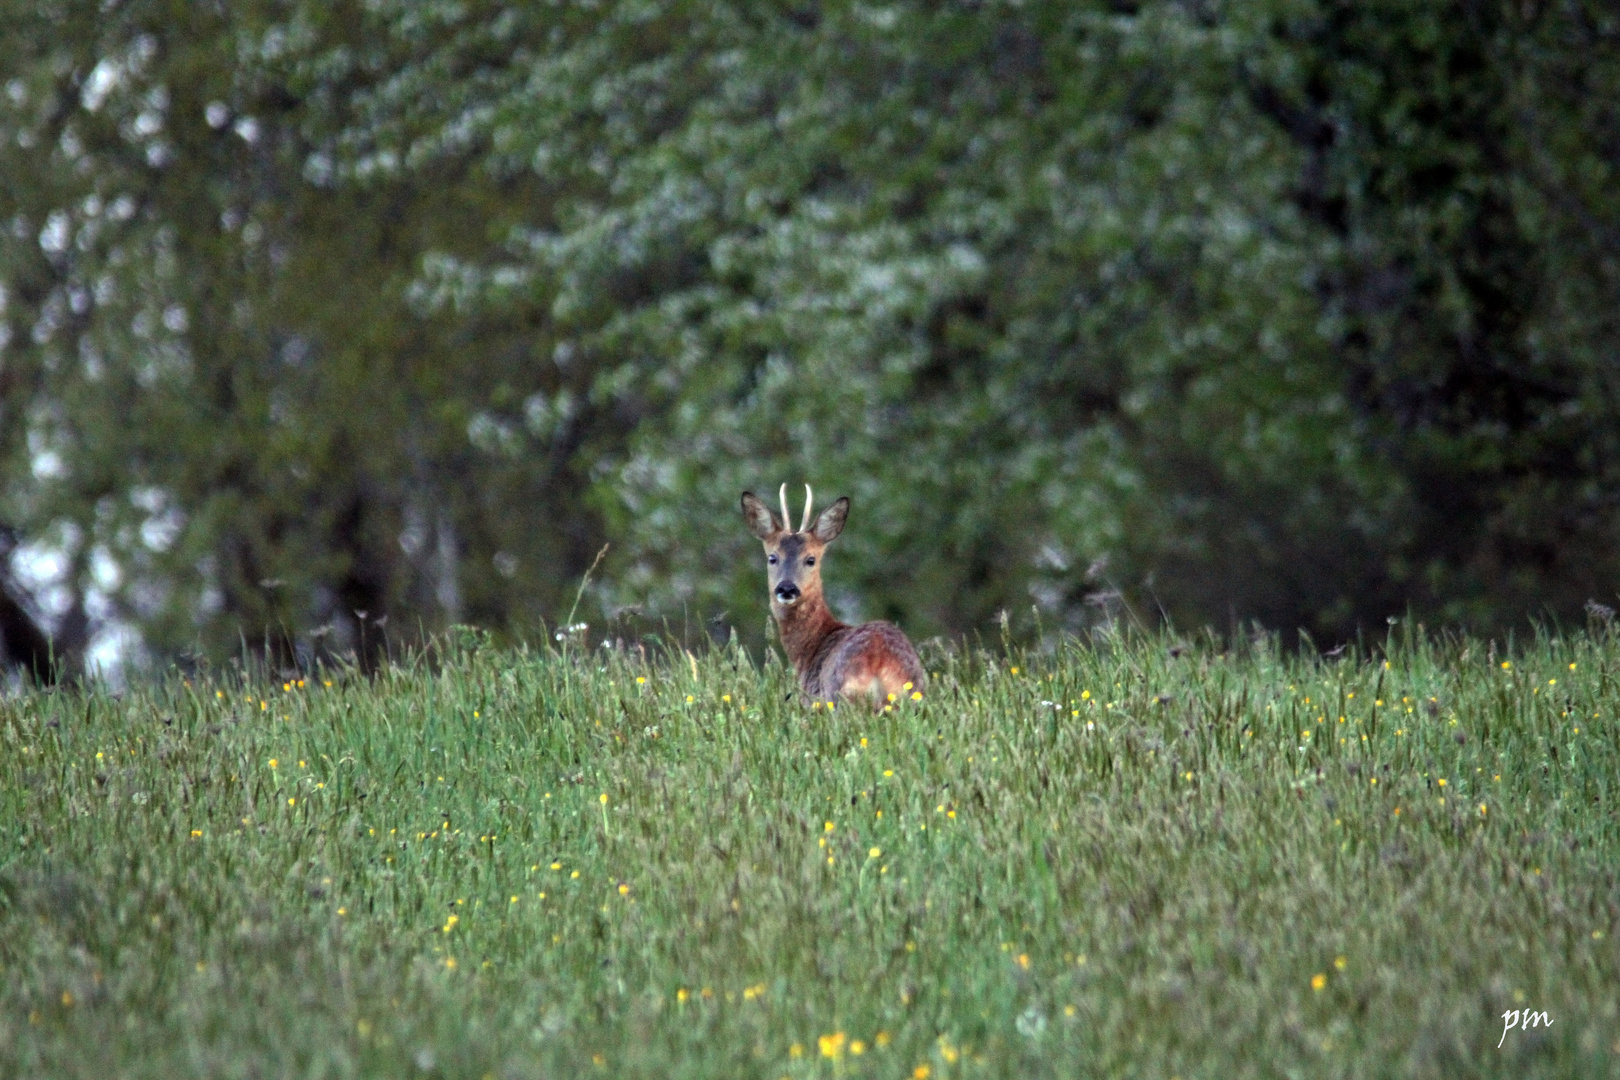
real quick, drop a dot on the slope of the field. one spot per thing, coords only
(1105, 860)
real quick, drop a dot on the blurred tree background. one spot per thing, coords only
(325, 324)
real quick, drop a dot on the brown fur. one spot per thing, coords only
(833, 660)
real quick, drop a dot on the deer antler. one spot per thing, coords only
(785, 518)
(804, 522)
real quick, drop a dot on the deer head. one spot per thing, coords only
(793, 557)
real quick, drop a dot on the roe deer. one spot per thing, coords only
(832, 659)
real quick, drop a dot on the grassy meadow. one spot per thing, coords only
(1109, 858)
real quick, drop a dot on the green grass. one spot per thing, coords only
(1094, 861)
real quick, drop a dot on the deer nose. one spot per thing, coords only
(787, 592)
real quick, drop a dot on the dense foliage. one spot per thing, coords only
(1296, 311)
(1123, 859)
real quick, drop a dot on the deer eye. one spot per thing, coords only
(771, 559)
(810, 561)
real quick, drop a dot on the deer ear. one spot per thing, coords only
(761, 521)
(830, 522)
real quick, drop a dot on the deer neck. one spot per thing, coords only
(804, 627)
